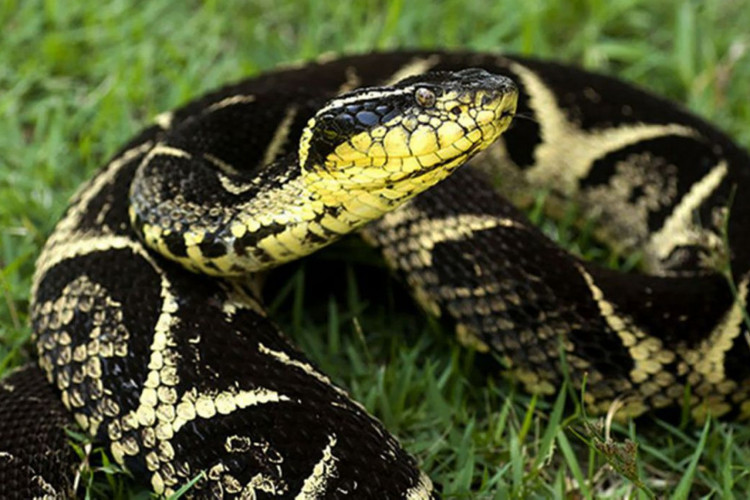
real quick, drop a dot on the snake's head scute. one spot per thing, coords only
(410, 135)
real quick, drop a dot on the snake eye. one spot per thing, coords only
(424, 97)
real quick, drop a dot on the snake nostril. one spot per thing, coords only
(456, 110)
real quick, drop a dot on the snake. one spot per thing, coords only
(147, 315)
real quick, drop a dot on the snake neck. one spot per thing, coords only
(309, 210)
(279, 215)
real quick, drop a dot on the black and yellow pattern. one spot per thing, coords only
(180, 372)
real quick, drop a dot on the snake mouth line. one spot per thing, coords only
(460, 160)
(474, 148)
(496, 127)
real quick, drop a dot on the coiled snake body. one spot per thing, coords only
(181, 372)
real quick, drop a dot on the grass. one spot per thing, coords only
(78, 78)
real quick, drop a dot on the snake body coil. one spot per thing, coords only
(181, 372)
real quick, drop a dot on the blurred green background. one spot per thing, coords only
(78, 78)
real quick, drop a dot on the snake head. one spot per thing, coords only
(410, 135)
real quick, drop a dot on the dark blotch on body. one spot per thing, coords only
(212, 248)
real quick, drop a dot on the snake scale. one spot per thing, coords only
(180, 372)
